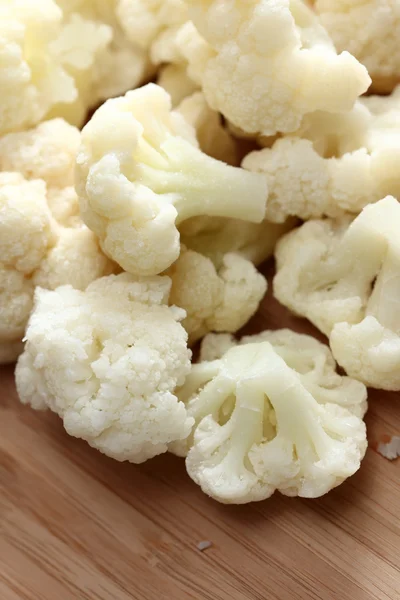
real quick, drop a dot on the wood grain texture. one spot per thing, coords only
(77, 525)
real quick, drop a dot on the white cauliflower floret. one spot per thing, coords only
(368, 29)
(64, 206)
(215, 300)
(41, 55)
(36, 250)
(176, 82)
(144, 20)
(215, 237)
(312, 360)
(140, 174)
(212, 136)
(45, 152)
(76, 259)
(247, 44)
(119, 66)
(324, 272)
(25, 222)
(16, 301)
(342, 166)
(26, 234)
(126, 354)
(344, 277)
(272, 414)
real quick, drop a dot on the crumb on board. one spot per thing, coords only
(390, 450)
(204, 545)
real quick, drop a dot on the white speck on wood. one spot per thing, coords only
(391, 450)
(204, 545)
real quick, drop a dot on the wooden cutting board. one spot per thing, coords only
(77, 525)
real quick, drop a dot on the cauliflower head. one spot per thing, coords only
(140, 173)
(344, 277)
(215, 300)
(271, 414)
(368, 29)
(336, 164)
(265, 64)
(41, 55)
(127, 351)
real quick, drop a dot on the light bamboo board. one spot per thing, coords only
(77, 525)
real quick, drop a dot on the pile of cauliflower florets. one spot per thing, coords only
(215, 134)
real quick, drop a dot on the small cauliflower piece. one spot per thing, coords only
(272, 414)
(140, 174)
(368, 29)
(41, 56)
(127, 351)
(215, 237)
(176, 82)
(345, 162)
(247, 44)
(213, 138)
(45, 152)
(215, 300)
(344, 277)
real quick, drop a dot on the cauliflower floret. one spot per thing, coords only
(45, 152)
(347, 161)
(222, 300)
(26, 234)
(40, 54)
(64, 206)
(25, 222)
(247, 44)
(126, 354)
(213, 138)
(140, 174)
(344, 277)
(36, 250)
(76, 259)
(176, 82)
(144, 20)
(272, 414)
(368, 29)
(312, 360)
(324, 272)
(16, 301)
(215, 237)
(122, 64)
